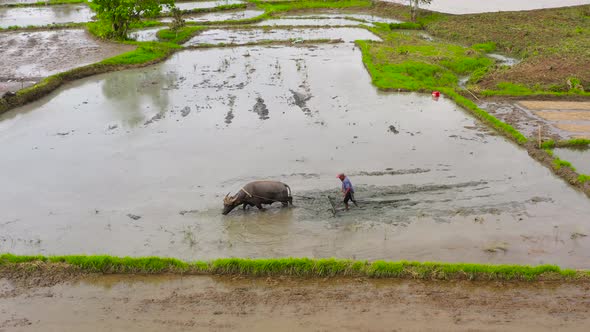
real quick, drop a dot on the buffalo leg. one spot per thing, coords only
(259, 206)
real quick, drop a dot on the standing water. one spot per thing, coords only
(137, 163)
(473, 6)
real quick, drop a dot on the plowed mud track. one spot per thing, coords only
(174, 303)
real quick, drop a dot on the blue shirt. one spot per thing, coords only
(346, 184)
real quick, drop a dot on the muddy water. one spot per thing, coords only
(37, 16)
(27, 57)
(201, 303)
(362, 17)
(203, 4)
(302, 21)
(580, 158)
(239, 36)
(10, 2)
(145, 34)
(137, 163)
(504, 60)
(471, 6)
(220, 16)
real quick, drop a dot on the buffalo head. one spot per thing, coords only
(229, 203)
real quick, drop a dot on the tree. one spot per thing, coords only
(177, 22)
(415, 6)
(120, 14)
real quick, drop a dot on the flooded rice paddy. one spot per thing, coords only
(26, 57)
(219, 16)
(12, 2)
(580, 158)
(244, 36)
(472, 7)
(39, 16)
(310, 22)
(137, 163)
(204, 4)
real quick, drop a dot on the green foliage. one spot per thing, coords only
(145, 53)
(549, 144)
(180, 36)
(549, 152)
(574, 142)
(116, 16)
(485, 47)
(559, 163)
(406, 26)
(177, 22)
(478, 74)
(281, 6)
(464, 65)
(304, 267)
(583, 178)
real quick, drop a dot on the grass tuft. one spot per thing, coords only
(305, 267)
(406, 26)
(180, 36)
(583, 178)
(559, 163)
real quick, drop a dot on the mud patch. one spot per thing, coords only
(219, 16)
(37, 274)
(44, 15)
(244, 304)
(238, 37)
(555, 105)
(260, 109)
(36, 54)
(301, 101)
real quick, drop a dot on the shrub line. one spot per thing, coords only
(305, 267)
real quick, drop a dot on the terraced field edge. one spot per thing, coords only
(297, 267)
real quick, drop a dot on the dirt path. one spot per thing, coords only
(141, 303)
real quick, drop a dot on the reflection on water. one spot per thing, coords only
(137, 98)
(580, 158)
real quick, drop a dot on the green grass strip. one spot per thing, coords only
(583, 178)
(180, 36)
(281, 6)
(559, 163)
(305, 267)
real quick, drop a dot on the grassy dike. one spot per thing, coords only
(298, 267)
(405, 61)
(581, 180)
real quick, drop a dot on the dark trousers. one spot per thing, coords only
(349, 197)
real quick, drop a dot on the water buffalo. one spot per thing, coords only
(257, 193)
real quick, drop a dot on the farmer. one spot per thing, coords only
(347, 190)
